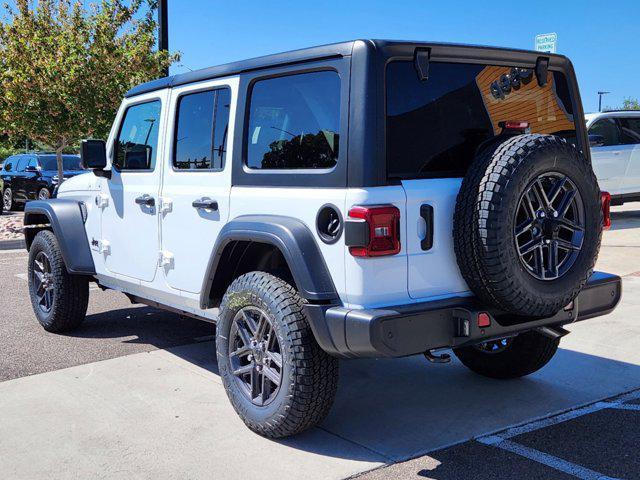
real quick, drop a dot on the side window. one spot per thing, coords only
(294, 122)
(8, 166)
(202, 123)
(608, 129)
(33, 162)
(136, 146)
(22, 163)
(630, 130)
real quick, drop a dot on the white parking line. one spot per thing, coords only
(501, 439)
(543, 458)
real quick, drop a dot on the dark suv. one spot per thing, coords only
(31, 176)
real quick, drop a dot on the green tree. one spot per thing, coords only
(630, 104)
(627, 104)
(64, 67)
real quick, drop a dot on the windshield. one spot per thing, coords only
(70, 162)
(435, 126)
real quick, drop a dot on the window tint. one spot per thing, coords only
(201, 134)
(22, 163)
(33, 162)
(607, 128)
(137, 142)
(434, 127)
(294, 122)
(50, 163)
(630, 130)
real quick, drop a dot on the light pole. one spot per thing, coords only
(163, 30)
(600, 94)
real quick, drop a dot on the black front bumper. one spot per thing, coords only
(411, 329)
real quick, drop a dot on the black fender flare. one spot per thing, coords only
(297, 244)
(66, 220)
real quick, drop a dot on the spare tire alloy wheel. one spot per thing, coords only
(549, 227)
(528, 224)
(255, 355)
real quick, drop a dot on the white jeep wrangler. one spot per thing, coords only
(363, 199)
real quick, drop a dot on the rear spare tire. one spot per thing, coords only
(527, 224)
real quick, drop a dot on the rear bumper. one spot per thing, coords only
(411, 329)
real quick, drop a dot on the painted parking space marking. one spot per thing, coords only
(543, 458)
(502, 439)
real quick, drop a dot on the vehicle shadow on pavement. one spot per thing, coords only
(144, 325)
(400, 408)
(625, 219)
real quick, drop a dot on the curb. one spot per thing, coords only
(12, 244)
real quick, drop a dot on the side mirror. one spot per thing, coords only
(31, 169)
(596, 140)
(93, 156)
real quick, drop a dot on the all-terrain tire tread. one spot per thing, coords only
(314, 381)
(71, 291)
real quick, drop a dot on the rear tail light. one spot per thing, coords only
(605, 198)
(375, 231)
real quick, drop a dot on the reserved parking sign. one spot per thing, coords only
(546, 42)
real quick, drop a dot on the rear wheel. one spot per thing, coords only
(509, 357)
(278, 379)
(44, 194)
(59, 299)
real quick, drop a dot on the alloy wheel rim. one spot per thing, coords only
(549, 226)
(255, 355)
(43, 282)
(6, 199)
(43, 195)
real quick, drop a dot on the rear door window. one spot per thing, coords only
(294, 122)
(435, 126)
(201, 133)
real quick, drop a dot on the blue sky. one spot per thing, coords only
(601, 38)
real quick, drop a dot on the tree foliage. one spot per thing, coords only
(627, 104)
(64, 67)
(630, 104)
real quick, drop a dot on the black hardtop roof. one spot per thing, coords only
(292, 57)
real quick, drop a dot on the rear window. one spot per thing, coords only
(294, 122)
(434, 127)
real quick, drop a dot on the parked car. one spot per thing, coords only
(362, 199)
(31, 176)
(1, 193)
(614, 138)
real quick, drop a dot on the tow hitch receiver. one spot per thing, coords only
(437, 357)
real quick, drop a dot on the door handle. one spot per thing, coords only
(426, 212)
(146, 200)
(205, 203)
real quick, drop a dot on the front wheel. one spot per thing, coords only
(59, 299)
(278, 379)
(509, 357)
(7, 199)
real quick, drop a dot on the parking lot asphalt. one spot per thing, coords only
(134, 393)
